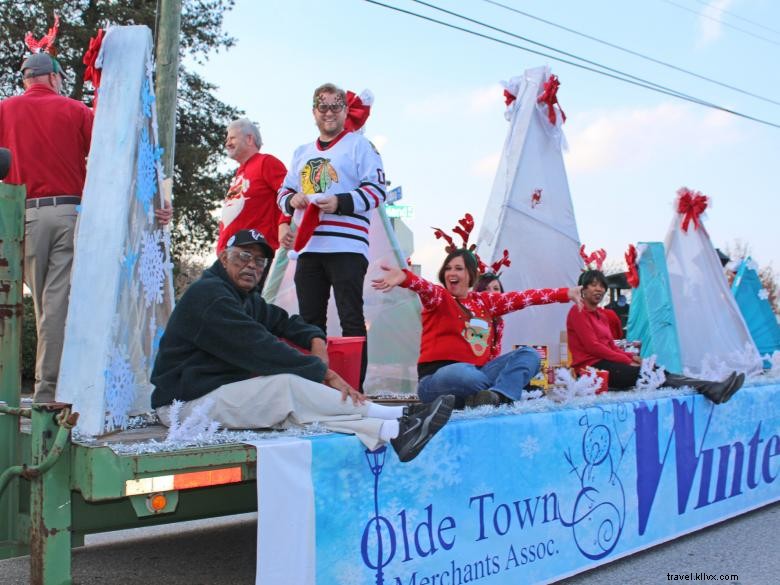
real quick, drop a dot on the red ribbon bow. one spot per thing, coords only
(92, 73)
(632, 276)
(357, 112)
(691, 204)
(508, 98)
(550, 97)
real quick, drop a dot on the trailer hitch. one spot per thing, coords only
(66, 421)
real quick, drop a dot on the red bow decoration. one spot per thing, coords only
(92, 73)
(598, 257)
(47, 41)
(691, 204)
(632, 276)
(309, 222)
(508, 98)
(536, 197)
(550, 97)
(358, 110)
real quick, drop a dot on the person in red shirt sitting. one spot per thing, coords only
(458, 332)
(591, 343)
(490, 282)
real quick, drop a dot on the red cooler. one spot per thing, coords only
(344, 354)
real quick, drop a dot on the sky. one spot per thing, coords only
(438, 117)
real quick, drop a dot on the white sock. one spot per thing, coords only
(384, 412)
(389, 430)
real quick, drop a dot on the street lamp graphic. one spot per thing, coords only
(376, 461)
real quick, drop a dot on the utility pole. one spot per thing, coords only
(167, 56)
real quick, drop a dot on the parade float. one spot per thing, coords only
(523, 493)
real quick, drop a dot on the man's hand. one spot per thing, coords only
(319, 348)
(286, 236)
(575, 295)
(327, 203)
(333, 380)
(637, 359)
(391, 278)
(164, 214)
(299, 201)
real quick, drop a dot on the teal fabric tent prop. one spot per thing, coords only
(753, 303)
(651, 316)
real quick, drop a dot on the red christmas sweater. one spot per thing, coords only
(590, 339)
(250, 202)
(461, 330)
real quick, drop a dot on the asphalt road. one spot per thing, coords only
(222, 552)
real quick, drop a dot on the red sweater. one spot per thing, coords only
(461, 330)
(250, 202)
(49, 137)
(590, 339)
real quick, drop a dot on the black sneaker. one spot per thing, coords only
(415, 430)
(483, 398)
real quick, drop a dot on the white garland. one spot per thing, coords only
(650, 377)
(196, 427)
(567, 387)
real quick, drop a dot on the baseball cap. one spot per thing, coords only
(40, 64)
(250, 238)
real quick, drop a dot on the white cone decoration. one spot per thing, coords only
(710, 327)
(530, 213)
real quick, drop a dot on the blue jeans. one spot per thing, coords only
(507, 374)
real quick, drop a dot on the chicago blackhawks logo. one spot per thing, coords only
(317, 175)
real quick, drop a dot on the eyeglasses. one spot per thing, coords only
(335, 108)
(245, 258)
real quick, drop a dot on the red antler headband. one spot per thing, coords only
(503, 261)
(463, 229)
(46, 43)
(598, 257)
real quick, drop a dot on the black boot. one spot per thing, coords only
(717, 392)
(736, 385)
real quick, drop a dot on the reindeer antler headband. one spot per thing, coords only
(46, 43)
(463, 229)
(598, 257)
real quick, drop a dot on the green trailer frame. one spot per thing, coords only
(54, 490)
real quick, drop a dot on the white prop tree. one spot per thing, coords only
(530, 212)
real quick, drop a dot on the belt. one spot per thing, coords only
(47, 201)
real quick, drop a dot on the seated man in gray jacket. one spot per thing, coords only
(224, 344)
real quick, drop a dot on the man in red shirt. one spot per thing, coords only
(48, 136)
(250, 202)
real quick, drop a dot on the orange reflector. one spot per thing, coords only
(184, 481)
(157, 502)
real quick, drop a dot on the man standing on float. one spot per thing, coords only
(336, 180)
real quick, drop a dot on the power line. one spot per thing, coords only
(635, 53)
(702, 14)
(646, 84)
(737, 16)
(548, 47)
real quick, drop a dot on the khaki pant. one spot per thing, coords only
(48, 255)
(283, 401)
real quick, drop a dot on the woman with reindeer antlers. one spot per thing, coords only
(458, 328)
(592, 342)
